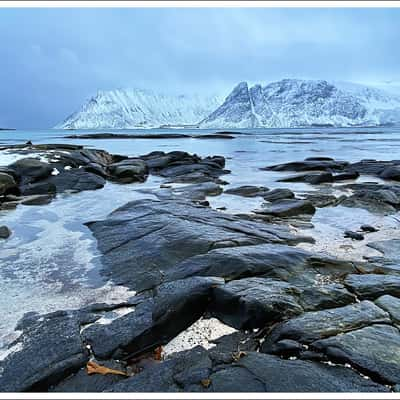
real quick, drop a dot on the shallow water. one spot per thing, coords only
(51, 261)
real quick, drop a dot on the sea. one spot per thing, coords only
(51, 261)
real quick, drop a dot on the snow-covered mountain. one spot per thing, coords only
(300, 103)
(138, 108)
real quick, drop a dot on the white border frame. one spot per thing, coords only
(200, 4)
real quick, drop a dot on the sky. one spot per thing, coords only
(53, 60)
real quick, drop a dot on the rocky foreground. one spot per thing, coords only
(303, 321)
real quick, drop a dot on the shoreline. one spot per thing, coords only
(184, 261)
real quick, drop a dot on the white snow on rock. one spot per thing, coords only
(138, 108)
(292, 103)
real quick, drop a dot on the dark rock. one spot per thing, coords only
(76, 180)
(371, 286)
(144, 240)
(253, 372)
(198, 191)
(353, 235)
(309, 165)
(248, 191)
(374, 198)
(182, 372)
(154, 322)
(7, 184)
(38, 188)
(331, 295)
(368, 228)
(214, 136)
(255, 302)
(37, 200)
(392, 173)
(31, 169)
(4, 232)
(322, 200)
(319, 159)
(96, 169)
(373, 350)
(82, 382)
(278, 194)
(287, 208)
(279, 375)
(312, 326)
(370, 167)
(286, 348)
(268, 260)
(49, 349)
(390, 304)
(313, 179)
(346, 176)
(130, 170)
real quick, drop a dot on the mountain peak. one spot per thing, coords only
(299, 103)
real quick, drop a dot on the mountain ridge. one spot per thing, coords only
(288, 103)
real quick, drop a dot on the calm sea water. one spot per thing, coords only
(51, 262)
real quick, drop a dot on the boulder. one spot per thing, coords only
(7, 184)
(315, 325)
(309, 165)
(255, 302)
(287, 208)
(128, 171)
(248, 191)
(390, 304)
(5, 232)
(76, 180)
(371, 286)
(353, 235)
(31, 169)
(278, 194)
(373, 350)
(391, 173)
(313, 179)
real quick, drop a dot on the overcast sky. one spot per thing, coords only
(52, 60)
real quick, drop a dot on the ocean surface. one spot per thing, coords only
(51, 262)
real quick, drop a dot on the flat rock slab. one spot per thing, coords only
(49, 349)
(373, 350)
(197, 370)
(255, 302)
(309, 165)
(278, 194)
(282, 262)
(287, 208)
(371, 286)
(390, 304)
(312, 326)
(144, 240)
(248, 191)
(313, 179)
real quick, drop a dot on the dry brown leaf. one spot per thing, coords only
(157, 354)
(94, 368)
(206, 382)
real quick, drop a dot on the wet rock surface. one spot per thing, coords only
(305, 321)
